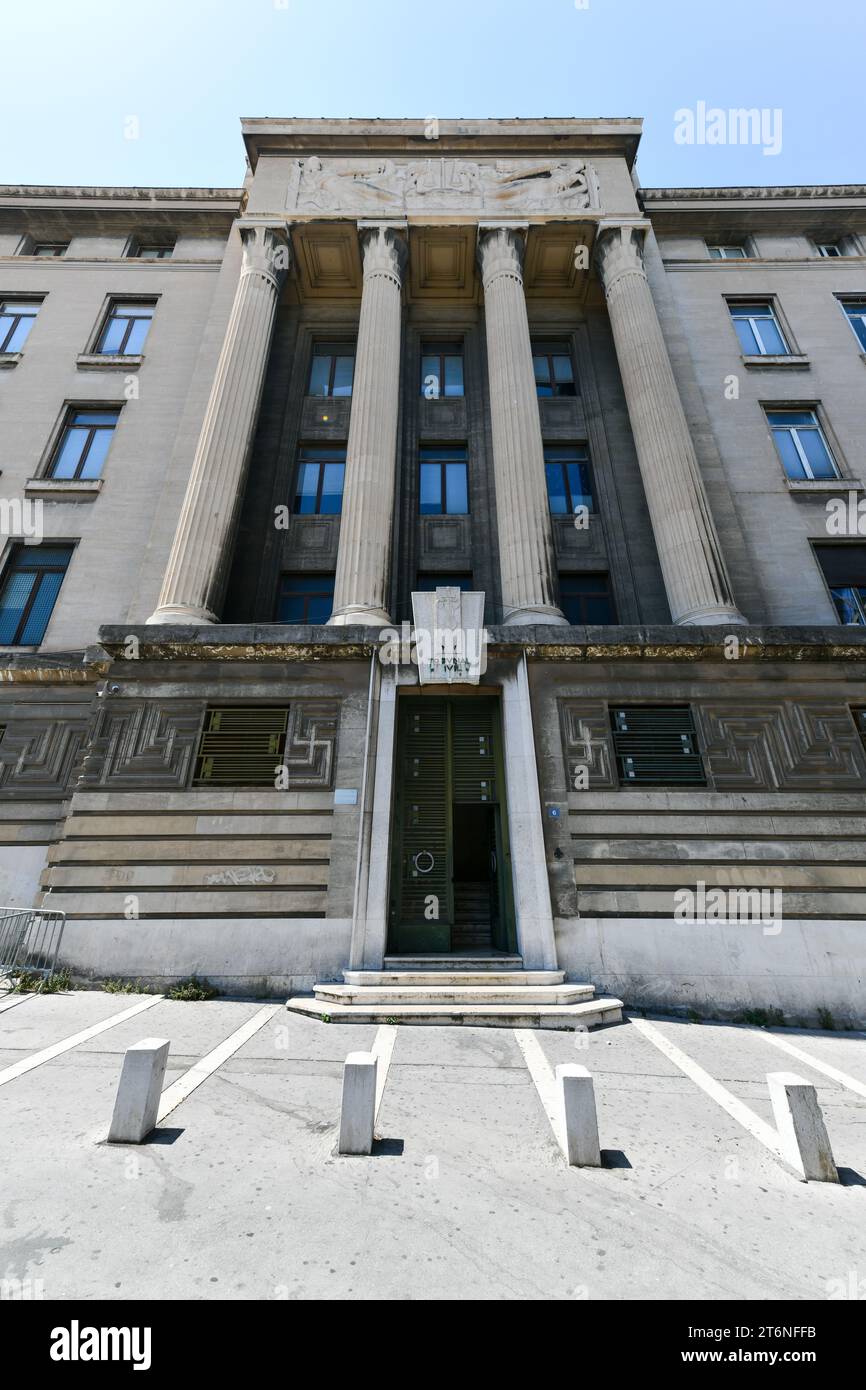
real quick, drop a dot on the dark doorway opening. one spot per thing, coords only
(474, 830)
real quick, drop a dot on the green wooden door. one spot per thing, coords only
(448, 753)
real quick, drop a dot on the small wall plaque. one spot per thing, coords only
(345, 796)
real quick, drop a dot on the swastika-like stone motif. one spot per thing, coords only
(143, 743)
(311, 742)
(787, 747)
(39, 757)
(586, 741)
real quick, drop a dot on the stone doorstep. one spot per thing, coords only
(442, 978)
(593, 1014)
(476, 992)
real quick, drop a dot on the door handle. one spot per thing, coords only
(426, 855)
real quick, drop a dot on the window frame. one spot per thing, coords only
(859, 589)
(544, 348)
(442, 349)
(319, 447)
(305, 574)
(738, 303)
(802, 408)
(67, 422)
(723, 246)
(860, 300)
(335, 350)
(48, 250)
(106, 317)
(563, 465)
(7, 310)
(430, 448)
(8, 567)
(607, 593)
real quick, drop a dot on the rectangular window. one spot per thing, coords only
(855, 312)
(319, 487)
(84, 444)
(844, 569)
(441, 370)
(569, 478)
(586, 600)
(657, 746)
(428, 582)
(49, 249)
(830, 250)
(444, 483)
(758, 330)
(305, 598)
(332, 370)
(153, 252)
(29, 592)
(554, 373)
(17, 317)
(802, 447)
(730, 252)
(125, 329)
(242, 746)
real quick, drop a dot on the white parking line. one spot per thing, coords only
(37, 1059)
(763, 1132)
(824, 1067)
(544, 1079)
(207, 1065)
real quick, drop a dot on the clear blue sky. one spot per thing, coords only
(75, 70)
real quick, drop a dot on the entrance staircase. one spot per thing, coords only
(487, 991)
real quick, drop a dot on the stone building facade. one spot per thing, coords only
(247, 433)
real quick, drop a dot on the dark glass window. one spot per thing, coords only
(125, 329)
(29, 591)
(305, 598)
(441, 370)
(17, 317)
(153, 253)
(444, 482)
(84, 444)
(844, 568)
(585, 599)
(855, 312)
(554, 373)
(569, 478)
(730, 252)
(49, 249)
(657, 746)
(332, 370)
(428, 582)
(319, 487)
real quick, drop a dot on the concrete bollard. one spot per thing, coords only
(139, 1089)
(577, 1116)
(800, 1123)
(358, 1107)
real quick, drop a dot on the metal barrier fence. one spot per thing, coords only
(30, 941)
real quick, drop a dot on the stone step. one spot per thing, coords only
(417, 996)
(442, 978)
(593, 1014)
(455, 961)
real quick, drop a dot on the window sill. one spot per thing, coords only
(107, 362)
(834, 486)
(10, 359)
(64, 489)
(789, 361)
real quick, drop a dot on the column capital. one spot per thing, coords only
(619, 248)
(267, 250)
(384, 248)
(500, 250)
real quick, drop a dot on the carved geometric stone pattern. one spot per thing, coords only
(311, 743)
(39, 757)
(586, 740)
(785, 746)
(144, 743)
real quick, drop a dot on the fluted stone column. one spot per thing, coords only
(195, 579)
(526, 554)
(364, 555)
(696, 581)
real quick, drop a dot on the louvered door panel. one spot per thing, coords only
(424, 813)
(474, 759)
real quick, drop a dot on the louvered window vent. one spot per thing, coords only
(242, 746)
(657, 746)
